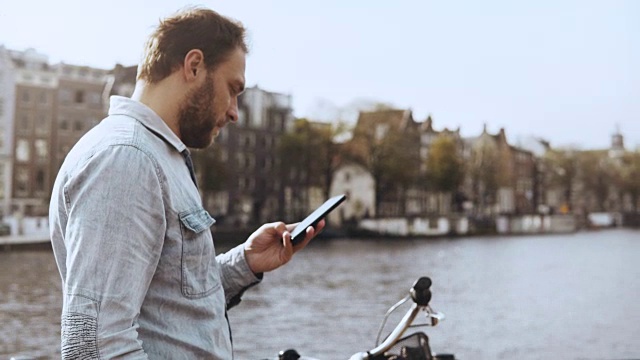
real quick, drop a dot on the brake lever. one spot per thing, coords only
(434, 317)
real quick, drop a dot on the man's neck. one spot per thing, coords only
(162, 99)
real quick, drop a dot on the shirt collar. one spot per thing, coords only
(120, 105)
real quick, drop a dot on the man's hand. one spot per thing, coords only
(270, 246)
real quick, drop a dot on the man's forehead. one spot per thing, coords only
(234, 65)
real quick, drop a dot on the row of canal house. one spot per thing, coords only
(45, 108)
(499, 180)
(375, 194)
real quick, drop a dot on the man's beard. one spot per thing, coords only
(196, 118)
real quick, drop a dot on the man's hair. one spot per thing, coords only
(192, 28)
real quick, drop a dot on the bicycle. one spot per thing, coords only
(414, 346)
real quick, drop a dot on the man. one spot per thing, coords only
(130, 237)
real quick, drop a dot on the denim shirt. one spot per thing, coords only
(133, 244)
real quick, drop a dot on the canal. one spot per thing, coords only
(564, 296)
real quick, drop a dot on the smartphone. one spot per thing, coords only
(318, 214)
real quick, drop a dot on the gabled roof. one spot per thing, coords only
(396, 119)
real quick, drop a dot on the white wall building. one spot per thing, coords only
(358, 184)
(7, 110)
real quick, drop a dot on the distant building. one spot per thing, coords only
(254, 193)
(378, 137)
(44, 110)
(501, 178)
(34, 111)
(433, 202)
(122, 80)
(80, 105)
(358, 184)
(7, 121)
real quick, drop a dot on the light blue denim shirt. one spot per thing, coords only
(132, 242)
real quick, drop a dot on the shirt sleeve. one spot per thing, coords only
(114, 235)
(236, 275)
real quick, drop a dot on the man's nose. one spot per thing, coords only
(232, 114)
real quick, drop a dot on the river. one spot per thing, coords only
(570, 296)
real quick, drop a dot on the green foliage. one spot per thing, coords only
(486, 167)
(596, 175)
(629, 173)
(445, 166)
(306, 153)
(210, 169)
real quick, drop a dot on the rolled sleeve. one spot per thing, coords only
(236, 274)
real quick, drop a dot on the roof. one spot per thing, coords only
(396, 119)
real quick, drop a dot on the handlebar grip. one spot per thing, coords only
(420, 292)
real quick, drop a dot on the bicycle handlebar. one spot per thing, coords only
(421, 295)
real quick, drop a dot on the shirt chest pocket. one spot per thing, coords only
(200, 276)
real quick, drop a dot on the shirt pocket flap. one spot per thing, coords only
(196, 220)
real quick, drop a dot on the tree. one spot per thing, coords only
(306, 158)
(561, 167)
(487, 172)
(391, 158)
(210, 170)
(444, 172)
(445, 166)
(596, 176)
(630, 177)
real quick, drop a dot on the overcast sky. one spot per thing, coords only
(566, 71)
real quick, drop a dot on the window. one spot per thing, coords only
(22, 150)
(44, 98)
(40, 186)
(77, 125)
(42, 127)
(42, 151)
(64, 124)
(79, 98)
(381, 131)
(26, 96)
(249, 161)
(249, 140)
(22, 180)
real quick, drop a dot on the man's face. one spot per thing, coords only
(211, 105)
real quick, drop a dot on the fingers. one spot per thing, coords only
(279, 227)
(287, 251)
(310, 234)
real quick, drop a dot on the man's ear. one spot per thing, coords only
(193, 64)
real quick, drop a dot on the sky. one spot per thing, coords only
(565, 71)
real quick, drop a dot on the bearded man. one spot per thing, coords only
(140, 275)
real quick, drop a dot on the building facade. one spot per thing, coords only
(254, 192)
(44, 110)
